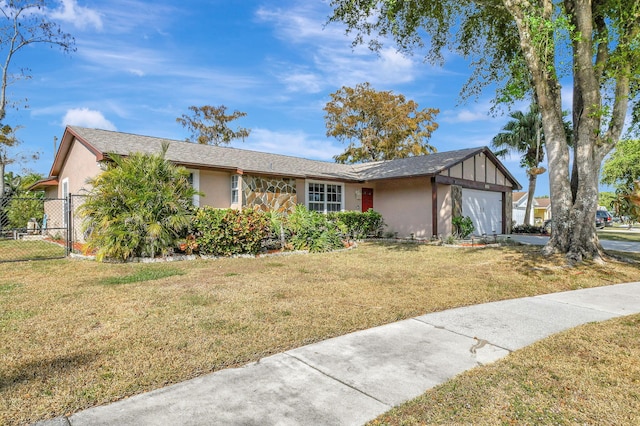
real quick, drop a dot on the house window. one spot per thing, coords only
(234, 189)
(194, 180)
(324, 197)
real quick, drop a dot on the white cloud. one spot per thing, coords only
(294, 143)
(120, 57)
(335, 61)
(465, 115)
(79, 16)
(86, 117)
(303, 81)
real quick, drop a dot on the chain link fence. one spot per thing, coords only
(33, 228)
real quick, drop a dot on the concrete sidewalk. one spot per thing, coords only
(354, 378)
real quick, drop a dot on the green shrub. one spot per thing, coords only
(23, 208)
(314, 231)
(360, 225)
(462, 226)
(527, 229)
(140, 205)
(226, 232)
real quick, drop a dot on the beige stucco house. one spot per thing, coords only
(417, 196)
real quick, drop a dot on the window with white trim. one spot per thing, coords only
(194, 180)
(324, 197)
(234, 189)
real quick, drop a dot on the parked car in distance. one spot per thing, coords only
(605, 216)
(546, 226)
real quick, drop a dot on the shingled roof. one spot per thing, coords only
(105, 142)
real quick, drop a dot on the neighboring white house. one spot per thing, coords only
(519, 201)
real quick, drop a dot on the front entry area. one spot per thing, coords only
(367, 199)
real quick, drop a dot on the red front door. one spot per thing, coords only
(367, 199)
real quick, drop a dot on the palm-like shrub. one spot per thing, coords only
(140, 205)
(314, 231)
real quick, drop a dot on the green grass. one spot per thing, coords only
(147, 273)
(78, 333)
(620, 235)
(16, 250)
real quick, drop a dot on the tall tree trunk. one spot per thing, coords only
(530, 195)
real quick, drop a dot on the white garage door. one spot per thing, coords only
(485, 210)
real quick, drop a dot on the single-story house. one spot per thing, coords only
(417, 196)
(542, 210)
(519, 203)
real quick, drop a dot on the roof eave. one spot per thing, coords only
(43, 183)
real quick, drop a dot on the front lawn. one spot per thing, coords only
(13, 250)
(620, 234)
(79, 333)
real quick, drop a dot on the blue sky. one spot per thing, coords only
(140, 64)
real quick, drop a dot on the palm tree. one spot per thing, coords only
(140, 206)
(524, 135)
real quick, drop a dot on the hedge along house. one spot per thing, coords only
(417, 196)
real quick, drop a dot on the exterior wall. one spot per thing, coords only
(541, 214)
(491, 172)
(405, 205)
(51, 192)
(446, 210)
(478, 168)
(80, 165)
(469, 169)
(455, 171)
(267, 193)
(353, 197)
(216, 189)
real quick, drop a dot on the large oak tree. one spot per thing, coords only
(378, 125)
(531, 48)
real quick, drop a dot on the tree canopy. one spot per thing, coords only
(530, 49)
(622, 168)
(209, 125)
(8, 141)
(378, 125)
